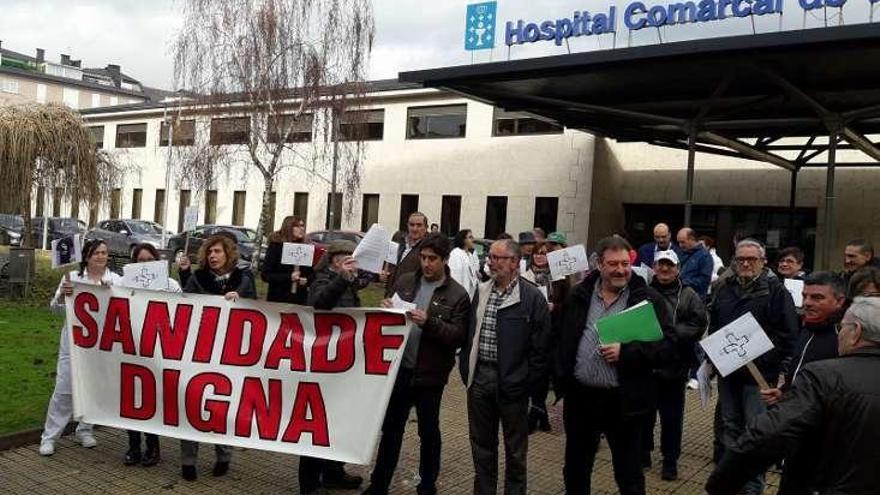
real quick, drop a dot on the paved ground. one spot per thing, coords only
(74, 470)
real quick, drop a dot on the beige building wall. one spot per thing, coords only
(28, 91)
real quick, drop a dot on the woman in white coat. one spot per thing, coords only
(464, 265)
(93, 270)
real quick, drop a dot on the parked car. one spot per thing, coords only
(322, 238)
(246, 239)
(11, 227)
(58, 228)
(122, 236)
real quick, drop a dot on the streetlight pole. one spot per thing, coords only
(167, 175)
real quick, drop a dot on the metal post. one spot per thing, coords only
(792, 198)
(689, 187)
(828, 242)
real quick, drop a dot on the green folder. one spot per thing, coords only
(638, 323)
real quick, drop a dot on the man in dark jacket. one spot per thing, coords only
(502, 362)
(835, 402)
(695, 262)
(607, 389)
(440, 325)
(753, 289)
(408, 260)
(689, 322)
(858, 253)
(335, 286)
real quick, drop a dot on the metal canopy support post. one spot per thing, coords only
(689, 187)
(829, 202)
(792, 200)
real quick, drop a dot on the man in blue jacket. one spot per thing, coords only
(696, 262)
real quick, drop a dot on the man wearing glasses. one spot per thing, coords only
(753, 290)
(831, 416)
(502, 363)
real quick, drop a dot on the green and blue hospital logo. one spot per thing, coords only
(479, 31)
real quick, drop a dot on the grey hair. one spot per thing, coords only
(752, 243)
(866, 310)
(511, 246)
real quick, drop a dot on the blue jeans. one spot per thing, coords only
(739, 404)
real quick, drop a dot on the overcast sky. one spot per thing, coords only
(410, 34)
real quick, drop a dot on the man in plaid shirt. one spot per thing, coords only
(503, 360)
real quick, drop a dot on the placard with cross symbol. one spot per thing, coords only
(149, 275)
(736, 344)
(568, 261)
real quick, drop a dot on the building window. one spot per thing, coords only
(546, 210)
(210, 207)
(115, 203)
(450, 215)
(137, 198)
(496, 216)
(159, 207)
(301, 205)
(57, 197)
(409, 203)
(448, 121)
(182, 205)
(298, 130)
(9, 86)
(369, 211)
(516, 123)
(336, 224)
(97, 133)
(184, 133)
(236, 130)
(131, 135)
(362, 125)
(238, 198)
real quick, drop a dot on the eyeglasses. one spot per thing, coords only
(747, 259)
(492, 257)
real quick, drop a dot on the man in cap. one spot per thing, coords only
(557, 241)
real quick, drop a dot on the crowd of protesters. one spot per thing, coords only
(517, 333)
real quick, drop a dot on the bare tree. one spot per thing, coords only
(281, 67)
(46, 145)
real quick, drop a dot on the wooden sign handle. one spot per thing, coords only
(756, 374)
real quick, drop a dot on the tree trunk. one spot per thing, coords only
(269, 183)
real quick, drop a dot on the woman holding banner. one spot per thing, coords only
(144, 253)
(287, 283)
(218, 274)
(92, 270)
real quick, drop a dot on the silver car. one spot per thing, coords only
(122, 236)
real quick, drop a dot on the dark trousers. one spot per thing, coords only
(538, 398)
(312, 471)
(426, 401)
(134, 440)
(486, 409)
(588, 413)
(670, 405)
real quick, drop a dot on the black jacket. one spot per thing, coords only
(770, 303)
(815, 342)
(523, 329)
(405, 264)
(331, 290)
(835, 401)
(689, 322)
(637, 359)
(203, 281)
(277, 275)
(445, 330)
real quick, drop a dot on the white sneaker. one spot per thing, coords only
(86, 439)
(693, 384)
(47, 447)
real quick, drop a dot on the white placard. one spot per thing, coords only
(66, 251)
(523, 266)
(294, 253)
(151, 275)
(190, 218)
(393, 248)
(398, 303)
(796, 289)
(372, 251)
(736, 344)
(704, 379)
(568, 261)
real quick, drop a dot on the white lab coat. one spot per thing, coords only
(464, 267)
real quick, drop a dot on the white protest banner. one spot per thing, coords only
(568, 261)
(249, 374)
(190, 218)
(796, 289)
(372, 251)
(737, 344)
(293, 253)
(393, 248)
(66, 251)
(152, 275)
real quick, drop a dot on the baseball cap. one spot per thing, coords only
(557, 238)
(668, 255)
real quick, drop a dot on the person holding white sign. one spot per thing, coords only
(286, 283)
(608, 389)
(830, 418)
(92, 270)
(753, 290)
